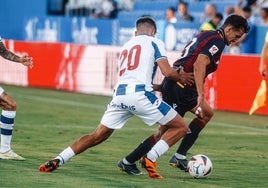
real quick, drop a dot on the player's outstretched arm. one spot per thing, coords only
(25, 60)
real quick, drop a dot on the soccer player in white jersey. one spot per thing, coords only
(8, 105)
(133, 95)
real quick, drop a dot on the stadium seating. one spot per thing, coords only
(156, 8)
(131, 9)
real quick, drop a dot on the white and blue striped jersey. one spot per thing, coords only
(137, 60)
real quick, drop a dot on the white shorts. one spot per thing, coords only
(134, 100)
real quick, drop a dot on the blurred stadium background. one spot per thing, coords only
(70, 20)
(72, 48)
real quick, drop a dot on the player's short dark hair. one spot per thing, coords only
(147, 20)
(237, 21)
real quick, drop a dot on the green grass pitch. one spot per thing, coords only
(48, 121)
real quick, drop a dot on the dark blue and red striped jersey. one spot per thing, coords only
(209, 43)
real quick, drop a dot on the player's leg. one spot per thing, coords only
(176, 129)
(151, 110)
(195, 127)
(7, 120)
(87, 141)
(128, 165)
(113, 118)
(146, 145)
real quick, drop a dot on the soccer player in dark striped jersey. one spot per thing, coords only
(201, 57)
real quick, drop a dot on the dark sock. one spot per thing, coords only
(141, 150)
(190, 138)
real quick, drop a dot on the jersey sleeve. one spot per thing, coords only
(213, 48)
(160, 51)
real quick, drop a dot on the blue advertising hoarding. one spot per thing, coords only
(86, 31)
(71, 29)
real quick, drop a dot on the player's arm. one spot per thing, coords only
(199, 76)
(184, 77)
(169, 72)
(5, 53)
(157, 87)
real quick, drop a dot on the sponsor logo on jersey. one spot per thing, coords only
(157, 102)
(214, 49)
(123, 106)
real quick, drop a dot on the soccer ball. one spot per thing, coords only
(199, 166)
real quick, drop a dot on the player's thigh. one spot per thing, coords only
(152, 109)
(115, 118)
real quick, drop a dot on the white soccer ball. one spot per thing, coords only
(199, 166)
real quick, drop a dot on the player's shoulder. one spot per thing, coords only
(157, 41)
(210, 37)
(143, 40)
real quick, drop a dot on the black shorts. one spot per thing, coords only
(181, 99)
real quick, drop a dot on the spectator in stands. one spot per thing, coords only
(247, 3)
(228, 11)
(209, 12)
(264, 16)
(107, 9)
(254, 6)
(246, 43)
(183, 12)
(171, 15)
(213, 23)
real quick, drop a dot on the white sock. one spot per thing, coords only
(65, 155)
(5, 143)
(7, 124)
(126, 162)
(159, 149)
(180, 156)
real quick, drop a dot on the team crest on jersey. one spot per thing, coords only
(214, 49)
(157, 102)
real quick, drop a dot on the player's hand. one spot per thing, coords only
(157, 87)
(186, 78)
(263, 73)
(262, 69)
(27, 61)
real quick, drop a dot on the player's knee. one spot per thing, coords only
(210, 114)
(207, 115)
(184, 129)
